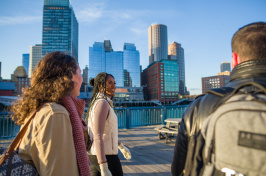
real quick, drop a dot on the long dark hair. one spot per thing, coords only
(51, 81)
(98, 83)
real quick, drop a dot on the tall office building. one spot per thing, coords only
(132, 64)
(158, 43)
(176, 52)
(35, 57)
(160, 81)
(225, 66)
(60, 28)
(85, 74)
(102, 58)
(96, 59)
(26, 62)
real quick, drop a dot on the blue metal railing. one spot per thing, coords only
(8, 129)
(127, 118)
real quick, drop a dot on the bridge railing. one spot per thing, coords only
(127, 118)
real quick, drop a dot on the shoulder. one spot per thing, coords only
(53, 108)
(101, 103)
(50, 111)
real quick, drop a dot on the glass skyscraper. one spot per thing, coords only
(60, 28)
(225, 66)
(158, 43)
(176, 52)
(26, 62)
(114, 66)
(102, 58)
(132, 63)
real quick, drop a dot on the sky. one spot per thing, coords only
(204, 29)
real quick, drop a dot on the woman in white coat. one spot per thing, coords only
(103, 129)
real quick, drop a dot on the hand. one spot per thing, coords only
(104, 170)
(125, 151)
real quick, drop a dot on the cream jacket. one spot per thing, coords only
(48, 142)
(110, 135)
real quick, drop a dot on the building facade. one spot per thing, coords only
(214, 82)
(114, 66)
(225, 66)
(158, 43)
(60, 28)
(21, 80)
(35, 57)
(85, 74)
(7, 88)
(132, 64)
(160, 81)
(26, 62)
(176, 52)
(124, 66)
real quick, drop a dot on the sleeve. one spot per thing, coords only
(184, 132)
(55, 146)
(100, 116)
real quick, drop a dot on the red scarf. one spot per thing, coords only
(76, 107)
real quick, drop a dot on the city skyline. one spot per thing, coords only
(204, 29)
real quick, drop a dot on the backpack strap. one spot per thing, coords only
(16, 141)
(221, 92)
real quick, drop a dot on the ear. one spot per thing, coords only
(235, 60)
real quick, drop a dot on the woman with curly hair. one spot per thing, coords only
(54, 141)
(103, 128)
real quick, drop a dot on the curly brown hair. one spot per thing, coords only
(51, 81)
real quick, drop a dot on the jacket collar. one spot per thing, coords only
(247, 69)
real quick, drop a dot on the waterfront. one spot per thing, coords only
(127, 118)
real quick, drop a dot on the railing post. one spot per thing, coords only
(164, 115)
(128, 119)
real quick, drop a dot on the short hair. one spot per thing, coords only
(249, 42)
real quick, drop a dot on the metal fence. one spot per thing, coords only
(8, 129)
(127, 118)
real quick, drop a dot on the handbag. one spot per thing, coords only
(10, 162)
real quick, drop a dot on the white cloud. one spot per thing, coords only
(91, 13)
(19, 20)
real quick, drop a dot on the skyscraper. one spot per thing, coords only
(132, 63)
(35, 57)
(60, 28)
(102, 58)
(158, 42)
(176, 52)
(225, 66)
(96, 59)
(26, 62)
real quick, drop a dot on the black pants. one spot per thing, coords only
(114, 165)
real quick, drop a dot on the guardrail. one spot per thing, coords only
(127, 118)
(8, 129)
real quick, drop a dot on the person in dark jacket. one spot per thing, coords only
(248, 64)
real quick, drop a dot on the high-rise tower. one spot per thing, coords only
(25, 62)
(132, 63)
(60, 28)
(176, 52)
(124, 66)
(225, 66)
(35, 57)
(158, 42)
